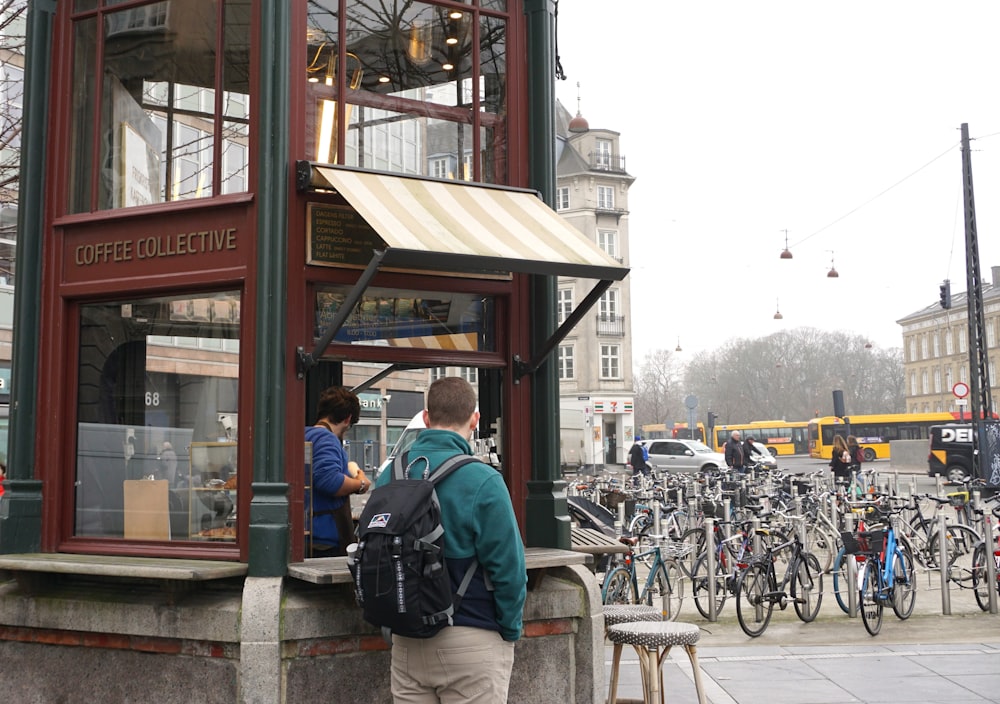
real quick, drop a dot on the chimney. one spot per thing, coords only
(996, 276)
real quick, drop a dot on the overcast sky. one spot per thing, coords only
(838, 122)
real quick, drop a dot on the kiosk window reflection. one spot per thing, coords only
(157, 418)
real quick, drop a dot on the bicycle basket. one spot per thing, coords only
(612, 498)
(958, 499)
(871, 541)
(851, 545)
(675, 549)
(711, 509)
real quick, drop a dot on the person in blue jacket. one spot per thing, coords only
(334, 479)
(471, 660)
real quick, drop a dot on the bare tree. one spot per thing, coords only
(658, 396)
(792, 375)
(12, 39)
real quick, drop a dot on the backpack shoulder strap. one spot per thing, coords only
(449, 466)
(399, 466)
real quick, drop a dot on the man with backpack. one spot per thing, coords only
(471, 659)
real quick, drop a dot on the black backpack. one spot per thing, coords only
(400, 577)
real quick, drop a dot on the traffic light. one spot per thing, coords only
(711, 418)
(946, 294)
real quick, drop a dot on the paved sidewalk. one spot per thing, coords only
(928, 659)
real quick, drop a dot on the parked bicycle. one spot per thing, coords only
(980, 584)
(732, 556)
(662, 587)
(887, 575)
(758, 590)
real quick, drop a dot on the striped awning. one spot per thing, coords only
(462, 227)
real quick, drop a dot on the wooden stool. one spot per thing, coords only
(652, 642)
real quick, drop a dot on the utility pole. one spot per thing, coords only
(980, 403)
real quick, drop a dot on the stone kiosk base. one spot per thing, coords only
(77, 628)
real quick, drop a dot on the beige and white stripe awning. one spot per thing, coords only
(457, 226)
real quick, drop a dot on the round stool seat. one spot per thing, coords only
(654, 635)
(630, 613)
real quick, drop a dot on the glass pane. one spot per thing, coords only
(409, 318)
(496, 5)
(410, 94)
(84, 94)
(84, 5)
(157, 418)
(159, 104)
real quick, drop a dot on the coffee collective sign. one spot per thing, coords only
(181, 244)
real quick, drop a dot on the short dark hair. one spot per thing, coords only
(451, 401)
(338, 403)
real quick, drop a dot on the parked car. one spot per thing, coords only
(684, 456)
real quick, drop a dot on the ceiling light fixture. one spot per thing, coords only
(678, 348)
(786, 253)
(777, 310)
(832, 274)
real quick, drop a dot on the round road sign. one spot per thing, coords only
(960, 389)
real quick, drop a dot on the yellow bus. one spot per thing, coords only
(655, 431)
(874, 432)
(781, 437)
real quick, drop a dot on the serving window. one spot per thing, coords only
(410, 318)
(157, 414)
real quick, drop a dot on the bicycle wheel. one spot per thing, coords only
(666, 590)
(617, 587)
(869, 604)
(807, 587)
(961, 541)
(980, 583)
(753, 602)
(695, 538)
(699, 586)
(840, 581)
(823, 544)
(904, 583)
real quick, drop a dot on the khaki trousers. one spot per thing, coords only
(457, 665)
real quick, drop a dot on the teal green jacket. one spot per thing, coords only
(479, 523)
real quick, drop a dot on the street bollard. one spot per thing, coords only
(620, 521)
(852, 572)
(991, 561)
(710, 568)
(656, 521)
(943, 566)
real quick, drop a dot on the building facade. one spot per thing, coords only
(595, 359)
(936, 350)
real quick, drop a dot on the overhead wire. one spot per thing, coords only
(876, 197)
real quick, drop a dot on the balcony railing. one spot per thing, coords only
(602, 161)
(611, 325)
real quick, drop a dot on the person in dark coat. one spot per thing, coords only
(735, 452)
(637, 458)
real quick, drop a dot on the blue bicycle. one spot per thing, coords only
(887, 576)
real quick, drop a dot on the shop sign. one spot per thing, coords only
(338, 236)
